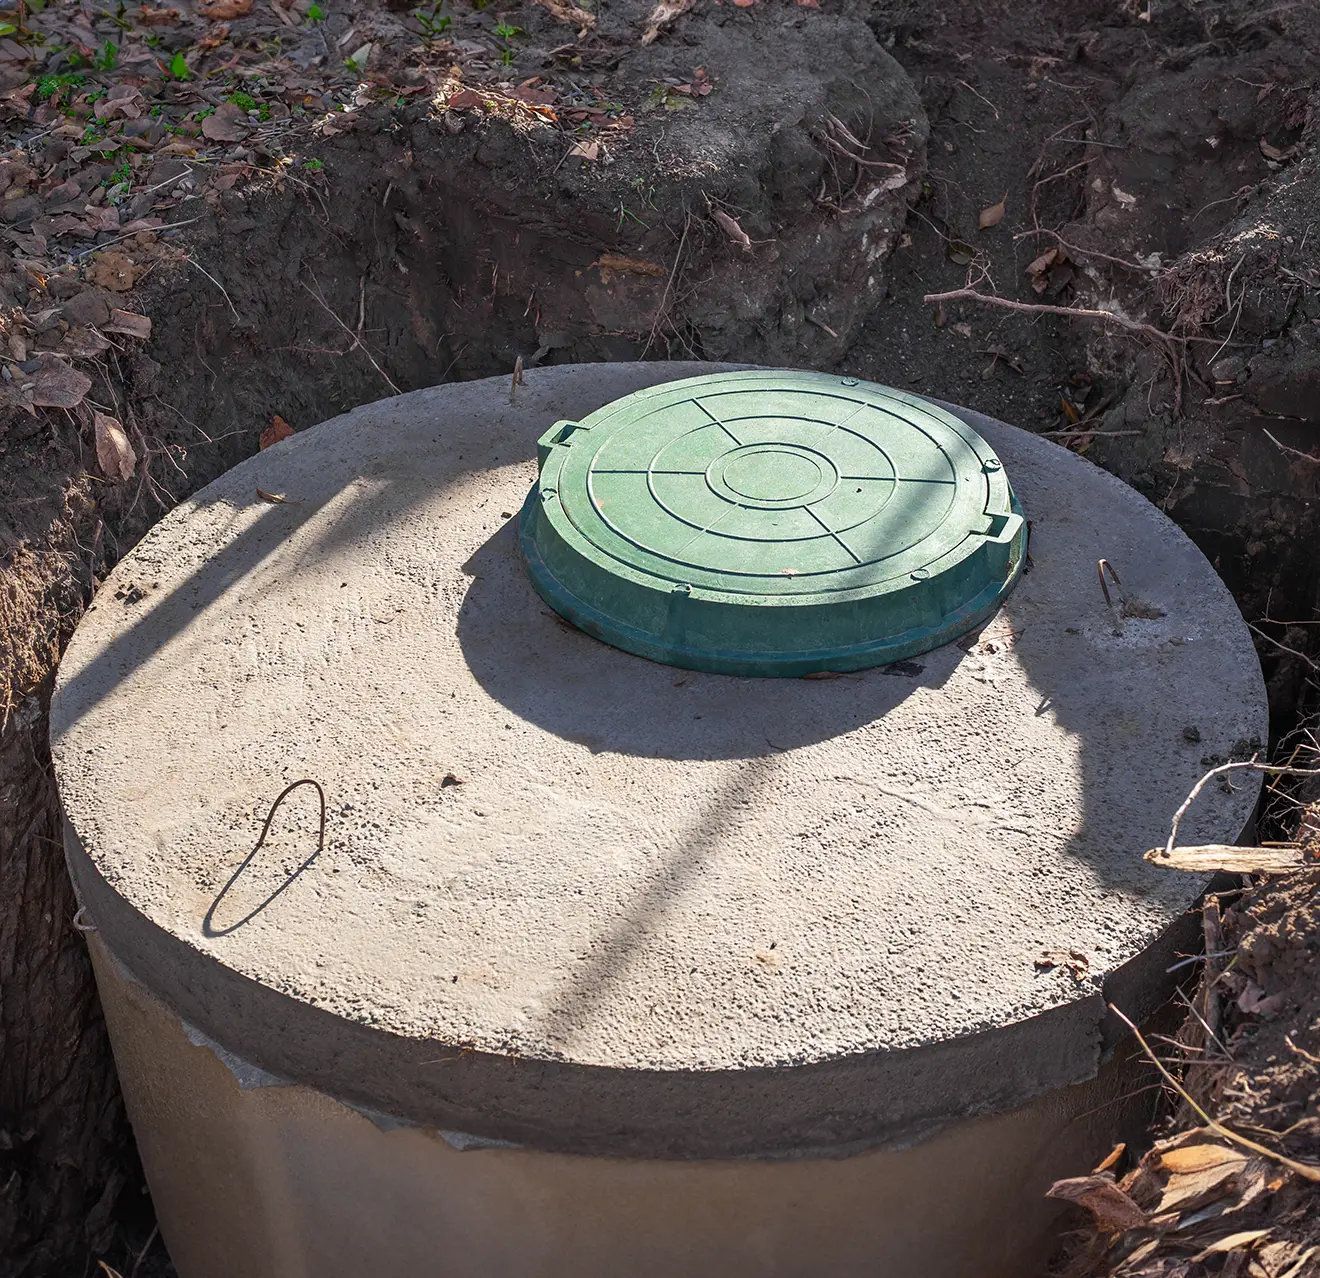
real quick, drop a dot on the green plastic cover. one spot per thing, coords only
(771, 523)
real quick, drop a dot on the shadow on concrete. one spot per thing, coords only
(545, 670)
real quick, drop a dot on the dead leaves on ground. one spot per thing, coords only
(1193, 1193)
(53, 384)
(731, 228)
(228, 123)
(226, 10)
(1077, 963)
(527, 99)
(113, 451)
(277, 430)
(991, 216)
(1052, 271)
(1111, 1208)
(665, 14)
(128, 324)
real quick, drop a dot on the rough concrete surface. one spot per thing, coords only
(577, 899)
(286, 1182)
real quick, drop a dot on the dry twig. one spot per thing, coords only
(1247, 765)
(1304, 1170)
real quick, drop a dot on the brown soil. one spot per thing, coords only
(1237, 1208)
(779, 182)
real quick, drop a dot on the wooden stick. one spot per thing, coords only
(1305, 1170)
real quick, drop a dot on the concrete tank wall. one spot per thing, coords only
(281, 1181)
(724, 976)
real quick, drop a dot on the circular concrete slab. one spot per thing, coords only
(573, 898)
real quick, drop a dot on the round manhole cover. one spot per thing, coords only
(769, 523)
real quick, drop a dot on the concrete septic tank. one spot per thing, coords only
(610, 966)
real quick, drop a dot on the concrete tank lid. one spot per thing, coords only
(574, 897)
(771, 523)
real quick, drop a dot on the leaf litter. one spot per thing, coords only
(1233, 1187)
(119, 124)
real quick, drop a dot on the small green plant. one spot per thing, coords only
(203, 113)
(433, 24)
(244, 101)
(157, 111)
(313, 165)
(155, 41)
(7, 28)
(178, 68)
(506, 34)
(263, 113)
(625, 213)
(50, 85)
(315, 13)
(121, 183)
(108, 58)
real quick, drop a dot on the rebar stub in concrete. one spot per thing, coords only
(577, 900)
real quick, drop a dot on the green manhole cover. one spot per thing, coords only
(771, 523)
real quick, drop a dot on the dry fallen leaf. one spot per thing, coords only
(224, 10)
(1192, 1189)
(56, 385)
(451, 779)
(115, 271)
(662, 15)
(113, 451)
(1112, 1208)
(731, 228)
(585, 150)
(277, 500)
(991, 216)
(1074, 960)
(228, 123)
(1111, 1159)
(1195, 1158)
(126, 104)
(1234, 1242)
(129, 324)
(83, 343)
(1273, 152)
(570, 13)
(277, 430)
